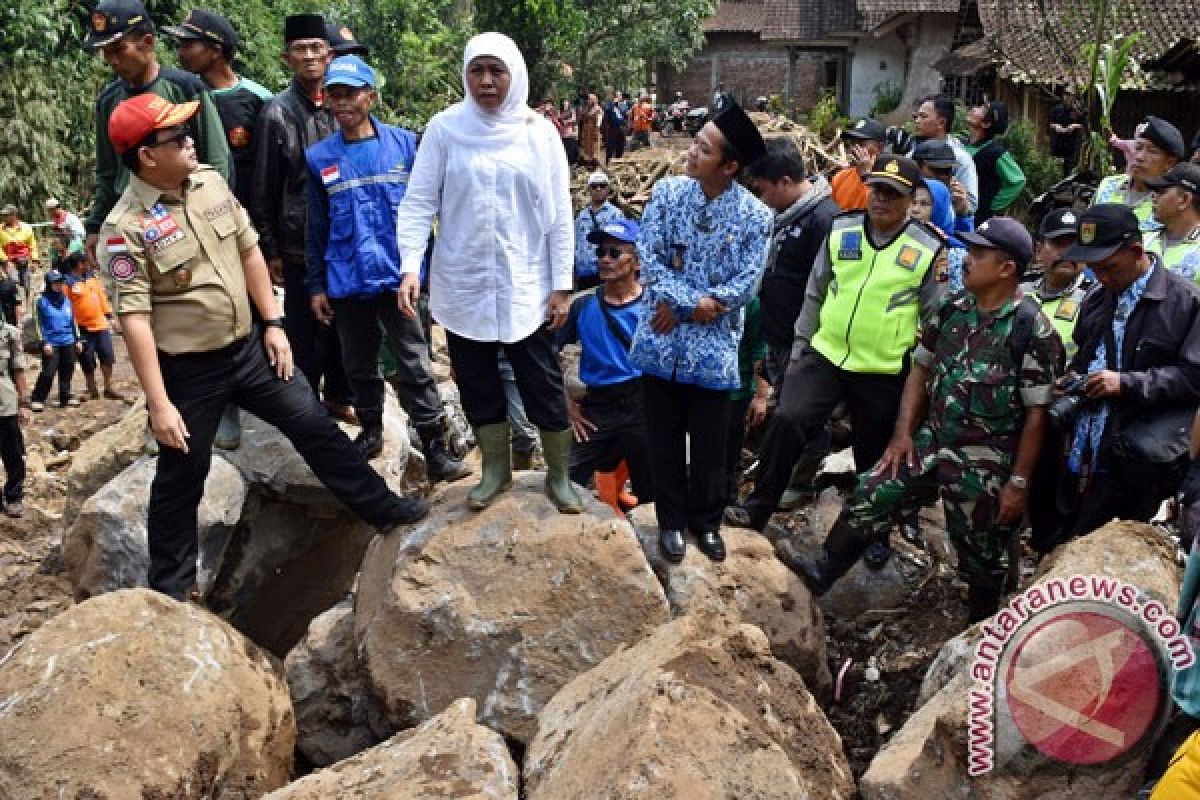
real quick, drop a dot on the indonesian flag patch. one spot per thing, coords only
(116, 244)
(330, 174)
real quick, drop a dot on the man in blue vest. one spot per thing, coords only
(356, 180)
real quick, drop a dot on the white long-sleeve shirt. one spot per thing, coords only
(505, 232)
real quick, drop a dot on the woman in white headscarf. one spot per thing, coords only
(494, 173)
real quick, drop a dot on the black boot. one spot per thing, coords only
(440, 465)
(370, 439)
(843, 547)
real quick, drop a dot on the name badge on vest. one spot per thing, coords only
(1067, 309)
(850, 248)
(908, 257)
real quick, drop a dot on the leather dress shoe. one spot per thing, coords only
(712, 545)
(672, 546)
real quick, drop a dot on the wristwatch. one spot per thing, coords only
(273, 323)
(1018, 482)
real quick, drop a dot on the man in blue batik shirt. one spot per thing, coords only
(592, 217)
(703, 245)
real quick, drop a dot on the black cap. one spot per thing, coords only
(112, 19)
(1003, 233)
(898, 172)
(741, 133)
(1103, 229)
(342, 40)
(935, 154)
(206, 26)
(1186, 176)
(867, 129)
(1165, 135)
(304, 26)
(1059, 222)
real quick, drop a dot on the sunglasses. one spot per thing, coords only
(611, 252)
(177, 139)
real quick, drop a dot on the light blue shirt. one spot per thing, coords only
(691, 248)
(586, 263)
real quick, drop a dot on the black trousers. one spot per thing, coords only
(200, 385)
(315, 347)
(688, 493)
(60, 362)
(12, 453)
(358, 322)
(813, 387)
(536, 369)
(620, 435)
(733, 446)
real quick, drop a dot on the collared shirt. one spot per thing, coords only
(1119, 189)
(1089, 429)
(181, 261)
(505, 230)
(691, 248)
(12, 358)
(589, 219)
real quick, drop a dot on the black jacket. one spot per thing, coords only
(796, 238)
(1160, 355)
(288, 125)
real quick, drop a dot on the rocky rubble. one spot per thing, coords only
(700, 710)
(133, 695)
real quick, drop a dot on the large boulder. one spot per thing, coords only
(105, 548)
(752, 583)
(503, 606)
(929, 756)
(700, 710)
(134, 695)
(103, 456)
(336, 716)
(448, 756)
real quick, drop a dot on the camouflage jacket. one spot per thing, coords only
(977, 395)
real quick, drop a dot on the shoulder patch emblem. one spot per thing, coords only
(239, 137)
(330, 174)
(122, 268)
(908, 257)
(850, 246)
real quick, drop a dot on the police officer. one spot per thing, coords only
(186, 259)
(1177, 207)
(1061, 288)
(1157, 148)
(871, 284)
(970, 425)
(356, 180)
(123, 33)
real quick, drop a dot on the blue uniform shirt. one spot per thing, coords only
(603, 358)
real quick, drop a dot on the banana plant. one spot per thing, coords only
(1110, 61)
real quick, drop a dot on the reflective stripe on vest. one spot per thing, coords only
(872, 307)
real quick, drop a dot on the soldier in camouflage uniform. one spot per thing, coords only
(980, 418)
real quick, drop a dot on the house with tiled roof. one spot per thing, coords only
(796, 49)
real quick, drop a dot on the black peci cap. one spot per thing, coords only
(206, 26)
(1165, 135)
(741, 133)
(304, 26)
(1103, 229)
(112, 19)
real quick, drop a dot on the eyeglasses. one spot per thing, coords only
(610, 252)
(178, 139)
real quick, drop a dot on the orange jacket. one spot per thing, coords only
(849, 191)
(643, 117)
(90, 304)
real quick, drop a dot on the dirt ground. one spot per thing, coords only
(33, 587)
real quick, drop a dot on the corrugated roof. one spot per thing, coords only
(1041, 40)
(744, 16)
(877, 12)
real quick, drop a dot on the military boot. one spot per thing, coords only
(440, 465)
(370, 439)
(843, 547)
(556, 449)
(497, 465)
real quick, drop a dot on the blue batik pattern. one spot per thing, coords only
(586, 263)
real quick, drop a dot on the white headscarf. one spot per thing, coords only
(474, 125)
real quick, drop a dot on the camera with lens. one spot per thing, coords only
(1064, 410)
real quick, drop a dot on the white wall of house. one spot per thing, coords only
(874, 62)
(930, 41)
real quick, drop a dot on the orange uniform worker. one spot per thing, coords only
(865, 139)
(93, 317)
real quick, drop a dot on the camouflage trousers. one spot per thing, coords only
(968, 478)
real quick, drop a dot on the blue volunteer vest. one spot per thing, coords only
(362, 258)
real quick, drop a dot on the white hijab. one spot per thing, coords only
(474, 126)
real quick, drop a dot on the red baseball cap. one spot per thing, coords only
(136, 118)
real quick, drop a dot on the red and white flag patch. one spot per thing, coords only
(330, 174)
(116, 244)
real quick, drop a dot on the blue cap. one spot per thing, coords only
(623, 230)
(349, 71)
(53, 276)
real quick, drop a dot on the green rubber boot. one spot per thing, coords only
(497, 465)
(556, 448)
